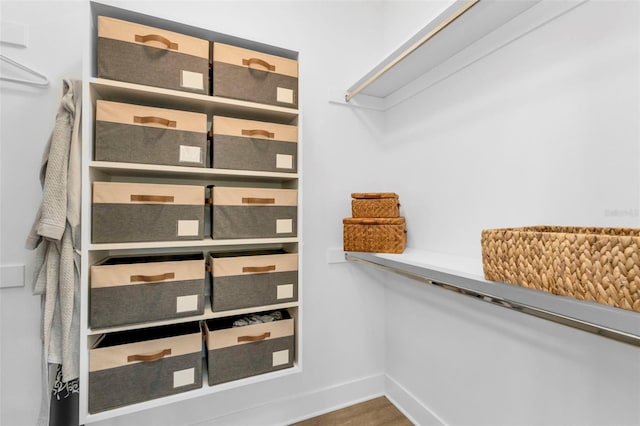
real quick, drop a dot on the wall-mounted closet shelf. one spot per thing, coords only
(167, 98)
(464, 33)
(464, 276)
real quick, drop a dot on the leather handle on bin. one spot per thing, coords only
(254, 338)
(369, 221)
(258, 61)
(373, 195)
(157, 120)
(151, 278)
(267, 268)
(149, 358)
(153, 198)
(250, 200)
(253, 132)
(157, 37)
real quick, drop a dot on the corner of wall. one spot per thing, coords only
(409, 405)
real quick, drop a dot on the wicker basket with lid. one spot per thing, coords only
(375, 204)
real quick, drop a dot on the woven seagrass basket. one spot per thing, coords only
(375, 204)
(377, 235)
(597, 264)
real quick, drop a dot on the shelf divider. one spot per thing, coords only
(115, 168)
(207, 242)
(175, 99)
(208, 314)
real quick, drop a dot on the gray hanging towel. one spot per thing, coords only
(56, 238)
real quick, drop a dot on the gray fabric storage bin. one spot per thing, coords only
(139, 212)
(139, 365)
(251, 279)
(239, 212)
(237, 352)
(254, 145)
(140, 134)
(140, 54)
(254, 76)
(128, 290)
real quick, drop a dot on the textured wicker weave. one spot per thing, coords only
(380, 235)
(375, 204)
(597, 264)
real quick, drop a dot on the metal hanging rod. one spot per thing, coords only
(584, 325)
(442, 25)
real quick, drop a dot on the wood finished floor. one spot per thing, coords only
(376, 412)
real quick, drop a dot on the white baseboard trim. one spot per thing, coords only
(409, 405)
(303, 406)
(295, 408)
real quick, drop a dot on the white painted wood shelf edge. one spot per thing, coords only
(464, 275)
(130, 92)
(207, 242)
(208, 314)
(193, 172)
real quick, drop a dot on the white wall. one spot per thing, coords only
(336, 158)
(544, 131)
(26, 118)
(467, 362)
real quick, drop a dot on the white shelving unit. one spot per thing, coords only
(96, 89)
(464, 33)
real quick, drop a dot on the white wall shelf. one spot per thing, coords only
(464, 276)
(464, 33)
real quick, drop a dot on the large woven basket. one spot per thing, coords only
(375, 204)
(597, 264)
(377, 235)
